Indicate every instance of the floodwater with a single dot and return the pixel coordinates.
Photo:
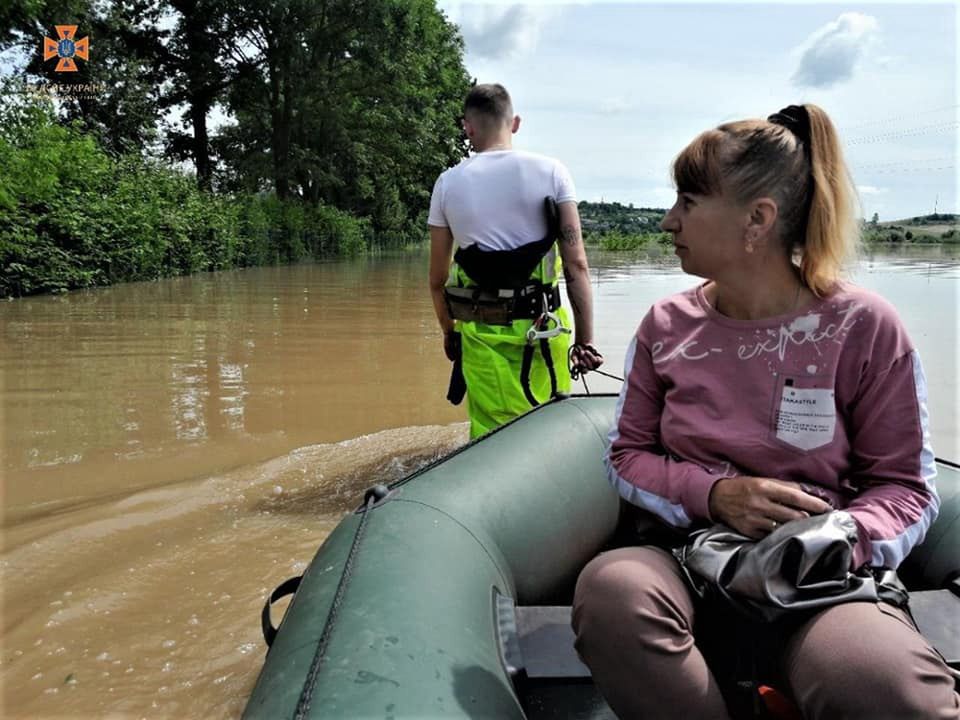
(174, 450)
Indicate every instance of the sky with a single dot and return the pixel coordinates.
(616, 90)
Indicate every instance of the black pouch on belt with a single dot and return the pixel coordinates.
(458, 384)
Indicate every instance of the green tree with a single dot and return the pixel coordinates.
(354, 103)
(194, 60)
(121, 111)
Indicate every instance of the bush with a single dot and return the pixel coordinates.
(72, 216)
(618, 241)
(340, 232)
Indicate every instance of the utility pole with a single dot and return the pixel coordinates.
(936, 200)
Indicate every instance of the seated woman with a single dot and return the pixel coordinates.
(771, 392)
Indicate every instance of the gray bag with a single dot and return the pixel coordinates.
(802, 565)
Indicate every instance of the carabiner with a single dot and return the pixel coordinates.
(533, 334)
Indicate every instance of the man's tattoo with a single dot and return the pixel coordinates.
(569, 233)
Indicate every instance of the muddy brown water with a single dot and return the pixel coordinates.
(174, 450)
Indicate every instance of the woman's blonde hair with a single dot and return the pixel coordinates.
(806, 176)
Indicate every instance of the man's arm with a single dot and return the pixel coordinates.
(441, 255)
(576, 272)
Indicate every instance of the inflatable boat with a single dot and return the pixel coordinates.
(446, 594)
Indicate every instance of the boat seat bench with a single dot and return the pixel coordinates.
(539, 652)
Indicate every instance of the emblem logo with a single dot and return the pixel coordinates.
(66, 48)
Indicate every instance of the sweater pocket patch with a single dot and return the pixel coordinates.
(806, 417)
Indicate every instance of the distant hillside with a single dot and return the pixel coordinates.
(613, 226)
(933, 228)
(602, 218)
(623, 227)
(933, 219)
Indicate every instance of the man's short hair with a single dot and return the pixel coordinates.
(489, 104)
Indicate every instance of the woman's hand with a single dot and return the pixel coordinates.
(755, 506)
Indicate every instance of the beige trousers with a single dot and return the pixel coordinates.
(633, 617)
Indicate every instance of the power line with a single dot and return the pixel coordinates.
(898, 118)
(894, 171)
(913, 161)
(909, 132)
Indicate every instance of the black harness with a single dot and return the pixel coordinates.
(503, 293)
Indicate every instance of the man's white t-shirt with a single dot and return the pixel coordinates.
(495, 198)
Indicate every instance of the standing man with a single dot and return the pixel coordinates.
(506, 212)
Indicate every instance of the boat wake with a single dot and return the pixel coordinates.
(149, 604)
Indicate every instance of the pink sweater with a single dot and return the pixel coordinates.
(832, 397)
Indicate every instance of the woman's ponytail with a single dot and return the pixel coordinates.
(832, 233)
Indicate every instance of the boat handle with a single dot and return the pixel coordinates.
(287, 587)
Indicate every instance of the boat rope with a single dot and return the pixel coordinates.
(306, 695)
(576, 374)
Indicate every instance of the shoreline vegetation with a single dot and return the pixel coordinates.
(206, 134)
(99, 220)
(74, 216)
(933, 229)
(616, 227)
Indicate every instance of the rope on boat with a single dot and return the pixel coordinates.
(576, 374)
(306, 695)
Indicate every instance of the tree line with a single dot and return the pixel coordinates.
(614, 226)
(337, 117)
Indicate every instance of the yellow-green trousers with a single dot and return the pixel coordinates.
(493, 367)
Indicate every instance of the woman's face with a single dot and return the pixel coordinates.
(708, 233)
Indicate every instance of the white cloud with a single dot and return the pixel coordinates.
(870, 190)
(831, 53)
(499, 32)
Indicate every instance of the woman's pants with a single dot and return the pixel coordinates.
(633, 616)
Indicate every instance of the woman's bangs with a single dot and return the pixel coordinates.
(697, 168)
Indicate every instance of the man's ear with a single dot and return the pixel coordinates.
(515, 124)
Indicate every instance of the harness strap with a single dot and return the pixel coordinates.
(527, 363)
(548, 359)
(525, 375)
